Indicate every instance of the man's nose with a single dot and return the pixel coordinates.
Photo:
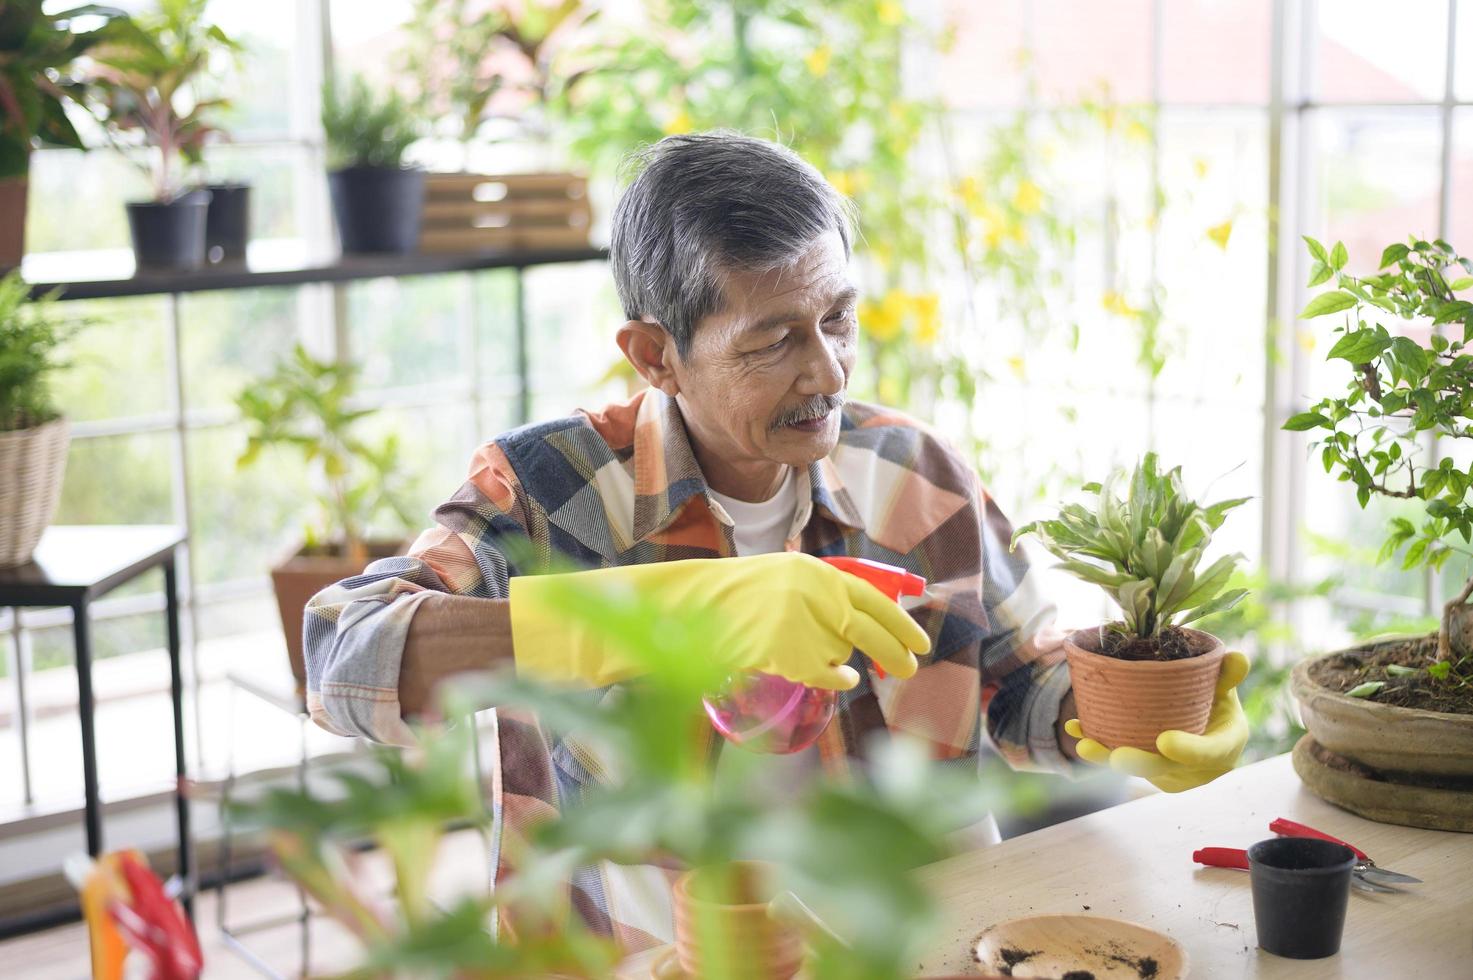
(823, 367)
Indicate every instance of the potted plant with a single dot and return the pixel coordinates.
(1391, 723)
(148, 82)
(376, 199)
(38, 53)
(667, 807)
(33, 435)
(1147, 673)
(304, 406)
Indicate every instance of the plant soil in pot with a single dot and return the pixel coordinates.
(170, 235)
(228, 224)
(1144, 541)
(377, 209)
(1131, 700)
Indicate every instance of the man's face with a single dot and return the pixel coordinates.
(766, 374)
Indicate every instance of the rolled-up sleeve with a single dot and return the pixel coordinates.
(354, 631)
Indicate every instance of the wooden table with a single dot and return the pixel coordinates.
(1134, 862)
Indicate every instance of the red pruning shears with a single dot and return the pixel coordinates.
(1365, 875)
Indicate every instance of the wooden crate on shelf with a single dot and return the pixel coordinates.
(504, 212)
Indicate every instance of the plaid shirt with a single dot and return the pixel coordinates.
(622, 487)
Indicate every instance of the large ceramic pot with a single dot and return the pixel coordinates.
(32, 463)
(1130, 702)
(1383, 762)
(303, 574)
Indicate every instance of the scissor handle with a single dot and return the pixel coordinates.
(1222, 857)
(1288, 828)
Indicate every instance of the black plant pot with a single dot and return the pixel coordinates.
(229, 224)
(377, 208)
(1300, 889)
(170, 235)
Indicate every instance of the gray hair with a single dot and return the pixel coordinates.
(706, 204)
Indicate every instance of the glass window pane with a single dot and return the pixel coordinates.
(118, 480)
(407, 331)
(496, 327)
(1216, 50)
(986, 64)
(260, 90)
(572, 314)
(76, 200)
(275, 175)
(1085, 49)
(1463, 56)
(119, 339)
(1367, 51)
(231, 339)
(1460, 228)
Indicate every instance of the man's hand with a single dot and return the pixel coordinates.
(1182, 760)
(787, 614)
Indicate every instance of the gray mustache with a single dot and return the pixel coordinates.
(815, 408)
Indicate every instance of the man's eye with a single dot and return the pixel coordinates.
(840, 316)
(781, 342)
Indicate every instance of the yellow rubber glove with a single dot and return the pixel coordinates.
(1182, 760)
(786, 613)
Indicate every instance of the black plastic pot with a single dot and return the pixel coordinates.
(170, 235)
(228, 226)
(377, 209)
(1300, 889)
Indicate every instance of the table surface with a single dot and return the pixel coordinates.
(77, 560)
(1134, 862)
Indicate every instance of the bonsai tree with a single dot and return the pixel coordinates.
(147, 78)
(38, 54)
(306, 405)
(1403, 334)
(1144, 550)
(364, 129)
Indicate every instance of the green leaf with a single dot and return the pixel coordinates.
(1365, 690)
(1360, 346)
(1399, 670)
(1393, 253)
(1440, 670)
(1306, 420)
(1317, 250)
(1319, 273)
(1458, 285)
(1331, 302)
(1338, 257)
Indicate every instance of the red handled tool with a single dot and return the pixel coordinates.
(1365, 875)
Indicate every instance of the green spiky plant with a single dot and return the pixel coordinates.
(31, 334)
(1144, 549)
(365, 129)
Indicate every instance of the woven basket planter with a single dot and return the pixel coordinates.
(31, 465)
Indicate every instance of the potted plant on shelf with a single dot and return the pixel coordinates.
(38, 56)
(1391, 723)
(376, 199)
(148, 82)
(1147, 673)
(305, 406)
(33, 435)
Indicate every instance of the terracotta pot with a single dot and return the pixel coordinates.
(299, 577)
(1130, 702)
(763, 948)
(12, 221)
(1383, 737)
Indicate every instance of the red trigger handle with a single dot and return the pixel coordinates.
(1222, 857)
(889, 579)
(1288, 828)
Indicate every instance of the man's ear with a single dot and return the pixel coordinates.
(651, 350)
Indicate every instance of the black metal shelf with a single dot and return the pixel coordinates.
(248, 275)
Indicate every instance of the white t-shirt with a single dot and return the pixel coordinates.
(762, 528)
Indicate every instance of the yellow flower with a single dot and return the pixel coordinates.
(1015, 363)
(849, 182)
(891, 13)
(1028, 198)
(883, 321)
(890, 392)
(818, 60)
(1220, 233)
(1306, 340)
(1201, 166)
(682, 123)
(1115, 303)
(927, 310)
(1138, 131)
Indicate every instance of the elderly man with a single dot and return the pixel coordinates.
(731, 259)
